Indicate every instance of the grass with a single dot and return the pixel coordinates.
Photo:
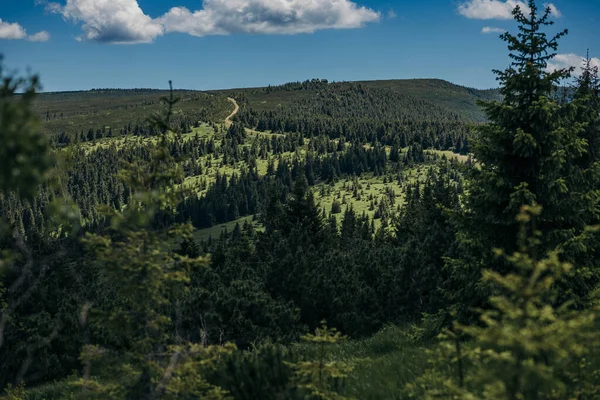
(76, 111)
(383, 364)
(203, 131)
(215, 231)
(369, 189)
(450, 155)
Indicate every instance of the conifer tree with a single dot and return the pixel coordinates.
(25, 163)
(24, 153)
(581, 246)
(301, 211)
(523, 347)
(587, 101)
(136, 357)
(322, 379)
(524, 154)
(523, 150)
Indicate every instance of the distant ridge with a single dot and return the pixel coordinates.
(79, 110)
(459, 99)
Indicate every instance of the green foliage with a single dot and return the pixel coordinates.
(138, 308)
(367, 112)
(336, 207)
(17, 393)
(522, 151)
(138, 267)
(24, 158)
(426, 236)
(524, 347)
(264, 372)
(443, 94)
(587, 98)
(528, 153)
(322, 379)
(24, 170)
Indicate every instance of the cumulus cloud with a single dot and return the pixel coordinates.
(11, 31)
(570, 60)
(110, 21)
(42, 36)
(123, 21)
(219, 17)
(16, 31)
(497, 9)
(491, 29)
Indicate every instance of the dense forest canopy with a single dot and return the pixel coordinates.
(455, 98)
(314, 240)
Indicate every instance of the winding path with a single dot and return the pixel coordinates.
(228, 121)
(237, 108)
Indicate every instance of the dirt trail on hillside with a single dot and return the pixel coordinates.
(237, 108)
(228, 121)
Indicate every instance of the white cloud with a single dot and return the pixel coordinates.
(11, 31)
(42, 36)
(219, 17)
(391, 14)
(123, 21)
(110, 21)
(497, 9)
(570, 60)
(16, 31)
(489, 9)
(491, 29)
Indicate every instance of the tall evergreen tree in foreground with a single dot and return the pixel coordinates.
(587, 97)
(581, 245)
(24, 155)
(527, 154)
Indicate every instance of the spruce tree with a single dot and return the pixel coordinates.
(521, 152)
(581, 246)
(525, 154)
(24, 154)
(523, 347)
(587, 99)
(132, 354)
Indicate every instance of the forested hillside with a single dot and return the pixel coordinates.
(429, 92)
(435, 113)
(350, 240)
(428, 108)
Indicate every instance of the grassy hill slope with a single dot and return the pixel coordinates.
(76, 111)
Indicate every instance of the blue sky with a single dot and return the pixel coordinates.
(84, 44)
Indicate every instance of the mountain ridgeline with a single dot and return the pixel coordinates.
(437, 112)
